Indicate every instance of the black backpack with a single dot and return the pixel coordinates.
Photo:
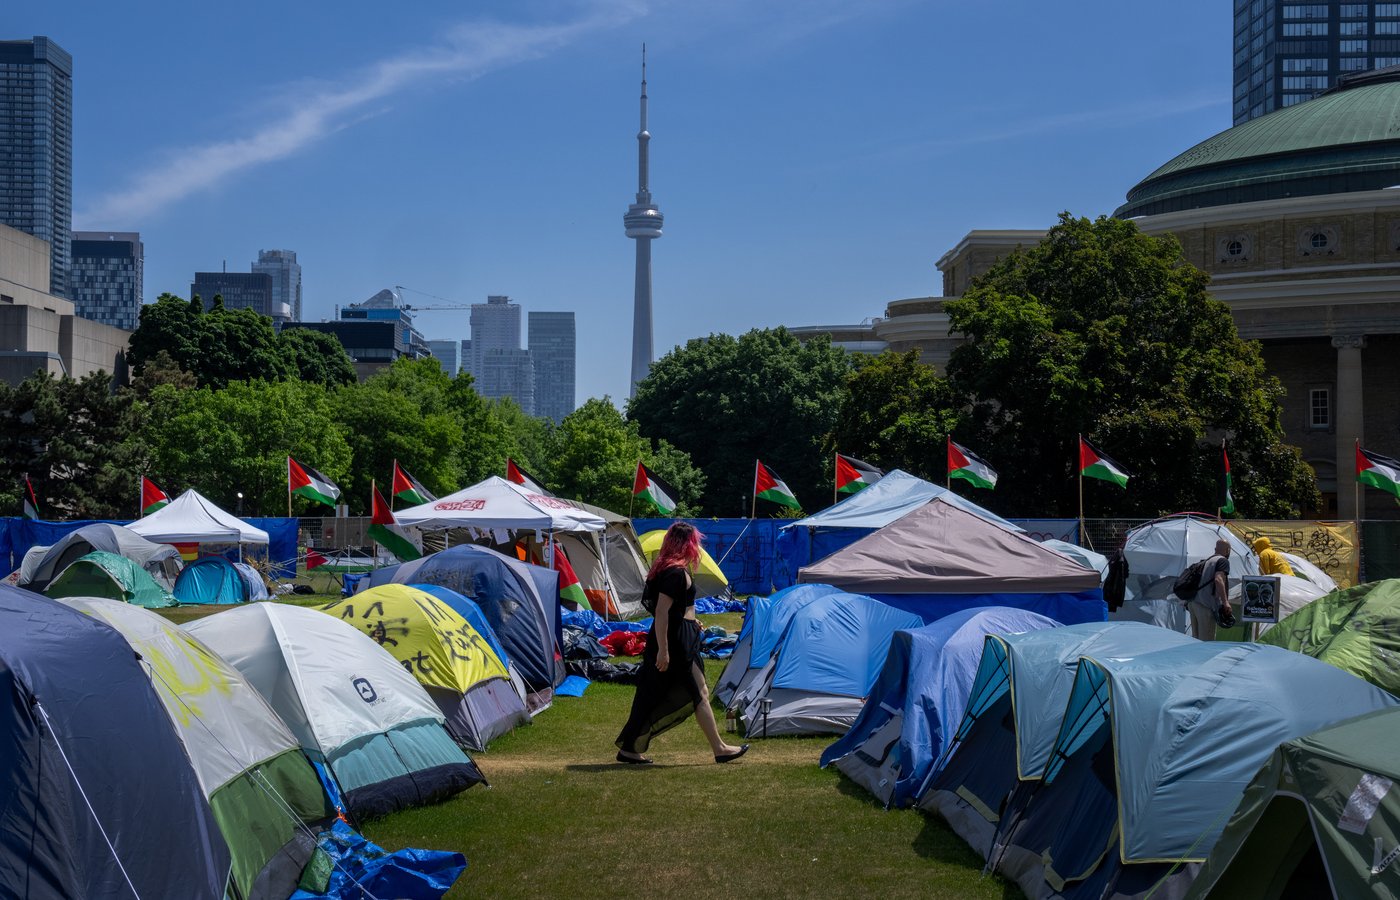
(1189, 581)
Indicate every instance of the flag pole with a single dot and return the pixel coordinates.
(1078, 452)
(391, 487)
(289, 487)
(1220, 510)
(948, 473)
(1356, 490)
(753, 509)
(835, 476)
(633, 496)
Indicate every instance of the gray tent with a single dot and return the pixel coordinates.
(940, 558)
(42, 565)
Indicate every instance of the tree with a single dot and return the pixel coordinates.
(597, 457)
(727, 401)
(897, 413)
(217, 347)
(531, 440)
(316, 356)
(1103, 331)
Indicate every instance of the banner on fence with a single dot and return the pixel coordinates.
(742, 547)
(1066, 530)
(1331, 546)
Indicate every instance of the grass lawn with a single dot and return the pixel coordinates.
(562, 819)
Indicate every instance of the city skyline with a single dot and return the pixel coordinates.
(819, 157)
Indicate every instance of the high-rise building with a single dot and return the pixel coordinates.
(240, 290)
(495, 326)
(36, 147)
(552, 352)
(448, 354)
(286, 281)
(507, 372)
(642, 222)
(1288, 52)
(105, 277)
(467, 357)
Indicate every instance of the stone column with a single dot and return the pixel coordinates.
(1348, 416)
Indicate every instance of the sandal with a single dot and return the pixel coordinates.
(634, 760)
(730, 757)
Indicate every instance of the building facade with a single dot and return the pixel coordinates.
(239, 290)
(374, 333)
(448, 354)
(36, 148)
(106, 277)
(553, 353)
(282, 266)
(495, 325)
(507, 373)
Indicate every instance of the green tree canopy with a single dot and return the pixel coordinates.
(727, 401)
(316, 356)
(597, 457)
(531, 440)
(896, 414)
(1103, 331)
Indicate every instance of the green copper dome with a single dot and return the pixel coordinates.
(1347, 139)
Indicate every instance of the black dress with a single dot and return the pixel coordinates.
(665, 699)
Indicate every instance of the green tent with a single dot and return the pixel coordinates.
(1356, 629)
(102, 574)
(1319, 820)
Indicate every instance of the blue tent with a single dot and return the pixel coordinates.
(765, 620)
(827, 659)
(213, 579)
(97, 796)
(919, 700)
(1152, 756)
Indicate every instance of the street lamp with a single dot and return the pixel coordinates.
(240, 504)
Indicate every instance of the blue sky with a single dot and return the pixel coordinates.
(813, 159)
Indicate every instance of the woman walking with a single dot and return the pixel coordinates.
(672, 681)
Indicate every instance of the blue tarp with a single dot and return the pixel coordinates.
(837, 644)
(743, 548)
(359, 868)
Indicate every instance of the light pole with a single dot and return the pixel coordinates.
(240, 504)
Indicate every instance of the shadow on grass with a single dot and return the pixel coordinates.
(939, 843)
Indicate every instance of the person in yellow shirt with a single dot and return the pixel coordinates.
(1271, 562)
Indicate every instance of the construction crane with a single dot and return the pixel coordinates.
(450, 304)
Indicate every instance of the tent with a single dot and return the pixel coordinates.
(260, 786)
(42, 564)
(919, 699)
(214, 579)
(367, 724)
(765, 620)
(101, 574)
(520, 601)
(1152, 755)
(1013, 715)
(1294, 594)
(940, 558)
(499, 504)
(194, 518)
(823, 668)
(1319, 819)
(1307, 569)
(1087, 558)
(609, 564)
(1356, 630)
(450, 658)
(98, 796)
(710, 581)
(1159, 551)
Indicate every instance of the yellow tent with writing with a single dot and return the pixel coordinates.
(453, 661)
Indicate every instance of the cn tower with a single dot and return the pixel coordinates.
(643, 223)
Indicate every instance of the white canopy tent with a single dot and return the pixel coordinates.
(191, 518)
(499, 504)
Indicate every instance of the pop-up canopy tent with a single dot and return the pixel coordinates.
(101, 574)
(765, 620)
(710, 581)
(499, 504)
(940, 558)
(919, 699)
(1159, 551)
(99, 798)
(1356, 630)
(1312, 820)
(260, 786)
(213, 579)
(194, 518)
(1013, 716)
(42, 564)
(357, 714)
(1152, 756)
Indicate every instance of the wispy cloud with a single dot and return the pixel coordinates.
(467, 51)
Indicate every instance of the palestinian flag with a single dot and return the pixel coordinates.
(31, 503)
(1380, 472)
(315, 559)
(569, 588)
(152, 497)
(305, 481)
(1093, 464)
(519, 476)
(768, 486)
(383, 530)
(964, 464)
(653, 491)
(852, 475)
(406, 487)
(1227, 498)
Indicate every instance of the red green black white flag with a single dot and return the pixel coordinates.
(1093, 464)
(964, 464)
(653, 491)
(852, 475)
(1227, 500)
(1380, 472)
(305, 481)
(385, 531)
(31, 503)
(768, 486)
(407, 488)
(152, 497)
(519, 476)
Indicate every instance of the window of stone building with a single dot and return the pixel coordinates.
(1319, 241)
(1320, 408)
(1234, 248)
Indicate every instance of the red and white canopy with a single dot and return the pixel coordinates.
(497, 503)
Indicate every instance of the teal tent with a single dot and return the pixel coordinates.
(102, 574)
(213, 579)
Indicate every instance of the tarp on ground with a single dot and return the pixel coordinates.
(100, 574)
(498, 503)
(1158, 551)
(83, 766)
(1356, 629)
(162, 561)
(193, 517)
(742, 548)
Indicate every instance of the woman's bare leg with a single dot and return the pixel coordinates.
(706, 716)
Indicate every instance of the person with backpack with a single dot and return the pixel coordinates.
(1209, 603)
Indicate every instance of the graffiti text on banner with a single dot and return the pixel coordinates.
(1331, 546)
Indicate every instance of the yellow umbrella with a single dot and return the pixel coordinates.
(709, 580)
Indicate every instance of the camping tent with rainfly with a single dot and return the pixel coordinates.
(1159, 551)
(1319, 819)
(101, 574)
(370, 728)
(919, 699)
(710, 580)
(1356, 629)
(449, 657)
(609, 564)
(765, 620)
(214, 579)
(42, 564)
(98, 796)
(260, 786)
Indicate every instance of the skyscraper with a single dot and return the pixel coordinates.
(105, 277)
(286, 281)
(495, 326)
(643, 224)
(507, 372)
(552, 354)
(448, 354)
(1288, 52)
(240, 290)
(36, 147)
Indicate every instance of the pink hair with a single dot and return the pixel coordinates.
(680, 547)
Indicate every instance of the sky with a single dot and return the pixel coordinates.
(812, 159)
